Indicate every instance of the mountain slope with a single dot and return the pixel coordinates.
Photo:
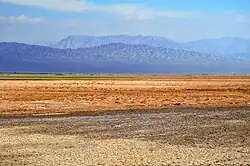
(222, 46)
(83, 41)
(113, 58)
(111, 52)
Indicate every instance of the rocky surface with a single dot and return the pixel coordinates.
(166, 137)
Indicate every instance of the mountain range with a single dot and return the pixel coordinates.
(128, 54)
(226, 46)
(83, 41)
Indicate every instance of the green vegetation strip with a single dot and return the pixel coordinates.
(60, 77)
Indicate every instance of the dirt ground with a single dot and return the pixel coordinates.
(140, 121)
(157, 138)
(50, 97)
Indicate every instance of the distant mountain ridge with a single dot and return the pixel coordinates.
(222, 46)
(114, 58)
(84, 41)
(110, 52)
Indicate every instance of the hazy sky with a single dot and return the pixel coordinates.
(41, 21)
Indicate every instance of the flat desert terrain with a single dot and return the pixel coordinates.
(51, 97)
(157, 138)
(135, 120)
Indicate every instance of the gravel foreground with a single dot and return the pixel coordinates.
(165, 137)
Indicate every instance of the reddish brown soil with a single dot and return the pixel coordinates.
(50, 97)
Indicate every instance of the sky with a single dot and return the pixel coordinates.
(46, 21)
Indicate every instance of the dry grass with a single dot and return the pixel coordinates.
(27, 97)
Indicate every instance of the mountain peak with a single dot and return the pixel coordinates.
(113, 57)
(85, 41)
(218, 46)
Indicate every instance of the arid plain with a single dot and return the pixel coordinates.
(40, 97)
(132, 120)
